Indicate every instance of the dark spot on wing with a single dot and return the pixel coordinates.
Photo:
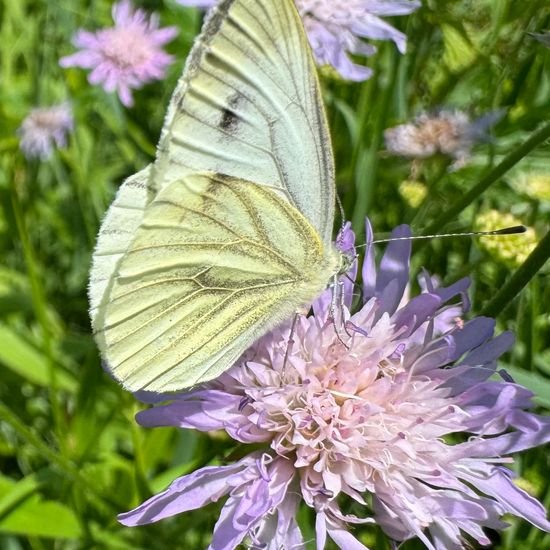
(230, 119)
(180, 103)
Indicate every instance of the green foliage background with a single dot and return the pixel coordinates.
(71, 454)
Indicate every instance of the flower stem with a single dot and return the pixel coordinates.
(39, 301)
(366, 171)
(520, 278)
(494, 175)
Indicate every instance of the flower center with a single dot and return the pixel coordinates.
(46, 120)
(126, 48)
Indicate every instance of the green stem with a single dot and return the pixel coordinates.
(494, 175)
(78, 189)
(363, 114)
(520, 278)
(39, 304)
(366, 173)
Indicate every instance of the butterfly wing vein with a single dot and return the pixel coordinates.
(215, 263)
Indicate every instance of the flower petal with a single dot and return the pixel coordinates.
(394, 271)
(205, 411)
(489, 351)
(344, 539)
(416, 312)
(515, 500)
(320, 531)
(241, 513)
(474, 333)
(186, 493)
(369, 265)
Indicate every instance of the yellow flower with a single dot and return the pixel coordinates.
(535, 185)
(413, 192)
(511, 250)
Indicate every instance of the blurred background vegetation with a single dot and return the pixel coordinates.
(71, 455)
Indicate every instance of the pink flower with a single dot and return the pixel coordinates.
(449, 132)
(126, 56)
(364, 412)
(43, 128)
(336, 28)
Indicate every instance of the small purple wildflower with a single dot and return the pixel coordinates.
(450, 132)
(336, 28)
(43, 128)
(380, 418)
(126, 56)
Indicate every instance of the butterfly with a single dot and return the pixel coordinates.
(228, 232)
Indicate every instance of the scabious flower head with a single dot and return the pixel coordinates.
(336, 28)
(449, 132)
(511, 250)
(413, 192)
(126, 56)
(368, 411)
(44, 128)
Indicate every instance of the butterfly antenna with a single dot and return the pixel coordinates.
(499, 232)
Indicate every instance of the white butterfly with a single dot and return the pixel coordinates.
(228, 233)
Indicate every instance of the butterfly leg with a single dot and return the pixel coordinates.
(337, 309)
(290, 342)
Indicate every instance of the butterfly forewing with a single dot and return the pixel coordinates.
(117, 231)
(216, 263)
(249, 106)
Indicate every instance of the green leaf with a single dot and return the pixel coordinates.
(459, 51)
(24, 359)
(33, 516)
(349, 118)
(13, 493)
(108, 539)
(539, 385)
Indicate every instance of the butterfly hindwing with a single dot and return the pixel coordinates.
(215, 263)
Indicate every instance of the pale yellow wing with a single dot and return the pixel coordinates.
(117, 231)
(249, 105)
(215, 264)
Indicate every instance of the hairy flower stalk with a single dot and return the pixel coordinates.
(407, 419)
(126, 56)
(44, 128)
(336, 28)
